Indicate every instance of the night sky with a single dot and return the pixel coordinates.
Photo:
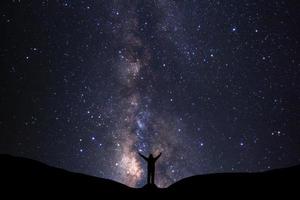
(213, 85)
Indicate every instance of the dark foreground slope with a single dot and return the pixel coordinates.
(274, 181)
(32, 177)
(24, 173)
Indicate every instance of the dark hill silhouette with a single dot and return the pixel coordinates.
(277, 180)
(21, 174)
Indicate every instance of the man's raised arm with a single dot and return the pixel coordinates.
(157, 157)
(143, 156)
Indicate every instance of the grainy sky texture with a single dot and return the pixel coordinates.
(213, 85)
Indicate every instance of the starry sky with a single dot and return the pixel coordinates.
(212, 84)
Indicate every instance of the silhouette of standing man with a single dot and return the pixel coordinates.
(151, 167)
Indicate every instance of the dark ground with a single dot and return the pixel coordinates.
(23, 177)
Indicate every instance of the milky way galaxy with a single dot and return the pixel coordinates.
(140, 128)
(213, 85)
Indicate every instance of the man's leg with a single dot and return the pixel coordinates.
(152, 177)
(148, 177)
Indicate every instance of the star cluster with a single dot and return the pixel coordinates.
(213, 85)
